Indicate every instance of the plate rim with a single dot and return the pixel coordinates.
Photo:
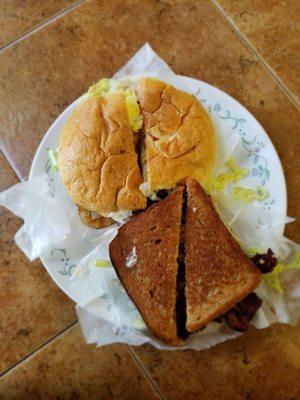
(260, 126)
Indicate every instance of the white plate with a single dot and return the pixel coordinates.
(229, 118)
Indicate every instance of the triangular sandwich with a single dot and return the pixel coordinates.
(144, 254)
(218, 274)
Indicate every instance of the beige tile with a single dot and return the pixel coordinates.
(262, 365)
(19, 16)
(33, 309)
(94, 41)
(272, 27)
(69, 369)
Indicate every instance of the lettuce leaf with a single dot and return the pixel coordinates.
(247, 196)
(252, 251)
(53, 157)
(99, 88)
(102, 263)
(133, 110)
(145, 188)
(235, 174)
(273, 278)
(140, 324)
(111, 85)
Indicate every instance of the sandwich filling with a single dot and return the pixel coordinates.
(180, 282)
(127, 88)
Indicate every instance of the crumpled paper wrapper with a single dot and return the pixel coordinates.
(105, 312)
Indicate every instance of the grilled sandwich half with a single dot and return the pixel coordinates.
(218, 274)
(144, 254)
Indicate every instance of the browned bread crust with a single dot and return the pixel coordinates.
(151, 282)
(97, 158)
(217, 272)
(180, 139)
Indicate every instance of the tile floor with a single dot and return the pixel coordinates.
(51, 52)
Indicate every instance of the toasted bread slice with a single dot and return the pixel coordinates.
(144, 254)
(217, 272)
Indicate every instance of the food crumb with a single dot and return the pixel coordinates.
(194, 209)
(131, 260)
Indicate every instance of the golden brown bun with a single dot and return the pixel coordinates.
(97, 158)
(180, 139)
(151, 282)
(217, 272)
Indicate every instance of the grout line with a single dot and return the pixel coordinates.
(11, 163)
(265, 64)
(40, 348)
(146, 374)
(41, 25)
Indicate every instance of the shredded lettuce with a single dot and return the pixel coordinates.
(133, 110)
(252, 251)
(154, 197)
(145, 188)
(139, 324)
(111, 85)
(99, 88)
(102, 263)
(235, 174)
(247, 196)
(273, 278)
(53, 157)
(119, 216)
(235, 169)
